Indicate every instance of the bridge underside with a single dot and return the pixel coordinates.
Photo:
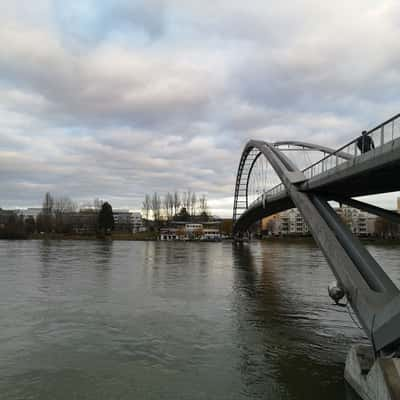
(260, 211)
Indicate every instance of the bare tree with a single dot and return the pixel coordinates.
(156, 206)
(165, 206)
(48, 202)
(61, 207)
(98, 204)
(203, 207)
(168, 205)
(146, 207)
(186, 200)
(193, 202)
(184, 195)
(176, 202)
(94, 205)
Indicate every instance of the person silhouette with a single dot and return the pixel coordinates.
(365, 142)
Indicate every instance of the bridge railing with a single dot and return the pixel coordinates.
(380, 135)
(269, 193)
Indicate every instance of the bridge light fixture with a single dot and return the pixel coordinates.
(336, 292)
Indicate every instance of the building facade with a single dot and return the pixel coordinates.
(291, 223)
(359, 222)
(287, 223)
(137, 222)
(127, 221)
(191, 231)
(122, 220)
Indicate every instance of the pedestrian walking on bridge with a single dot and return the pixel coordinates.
(365, 142)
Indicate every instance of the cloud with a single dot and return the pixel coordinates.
(108, 85)
(114, 99)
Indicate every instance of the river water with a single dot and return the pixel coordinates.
(159, 320)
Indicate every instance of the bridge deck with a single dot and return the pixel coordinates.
(371, 173)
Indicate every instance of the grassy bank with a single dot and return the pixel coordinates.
(113, 236)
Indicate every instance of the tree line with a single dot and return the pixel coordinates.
(13, 226)
(185, 206)
(59, 215)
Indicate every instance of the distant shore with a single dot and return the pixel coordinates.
(140, 236)
(153, 236)
(310, 239)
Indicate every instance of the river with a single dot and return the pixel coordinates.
(172, 320)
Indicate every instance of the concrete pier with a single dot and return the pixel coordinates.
(372, 379)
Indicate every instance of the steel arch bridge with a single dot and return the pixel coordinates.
(338, 175)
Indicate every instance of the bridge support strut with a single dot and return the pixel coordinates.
(372, 379)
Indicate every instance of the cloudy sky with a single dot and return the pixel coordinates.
(115, 98)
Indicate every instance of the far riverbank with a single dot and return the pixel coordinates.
(309, 239)
(139, 236)
(154, 236)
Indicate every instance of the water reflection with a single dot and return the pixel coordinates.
(103, 254)
(280, 334)
(183, 264)
(83, 260)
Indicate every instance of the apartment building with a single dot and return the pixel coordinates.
(127, 221)
(291, 222)
(359, 222)
(137, 222)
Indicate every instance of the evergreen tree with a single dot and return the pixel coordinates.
(30, 225)
(106, 218)
(183, 215)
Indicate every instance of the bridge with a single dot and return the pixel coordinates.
(270, 179)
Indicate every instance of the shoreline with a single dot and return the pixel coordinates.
(141, 237)
(310, 239)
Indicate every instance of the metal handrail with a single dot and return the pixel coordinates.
(274, 190)
(354, 141)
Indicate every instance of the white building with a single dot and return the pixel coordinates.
(291, 222)
(211, 234)
(137, 222)
(126, 220)
(286, 223)
(359, 222)
(190, 231)
(169, 234)
(122, 216)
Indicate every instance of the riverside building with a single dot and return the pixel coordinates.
(291, 223)
(206, 231)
